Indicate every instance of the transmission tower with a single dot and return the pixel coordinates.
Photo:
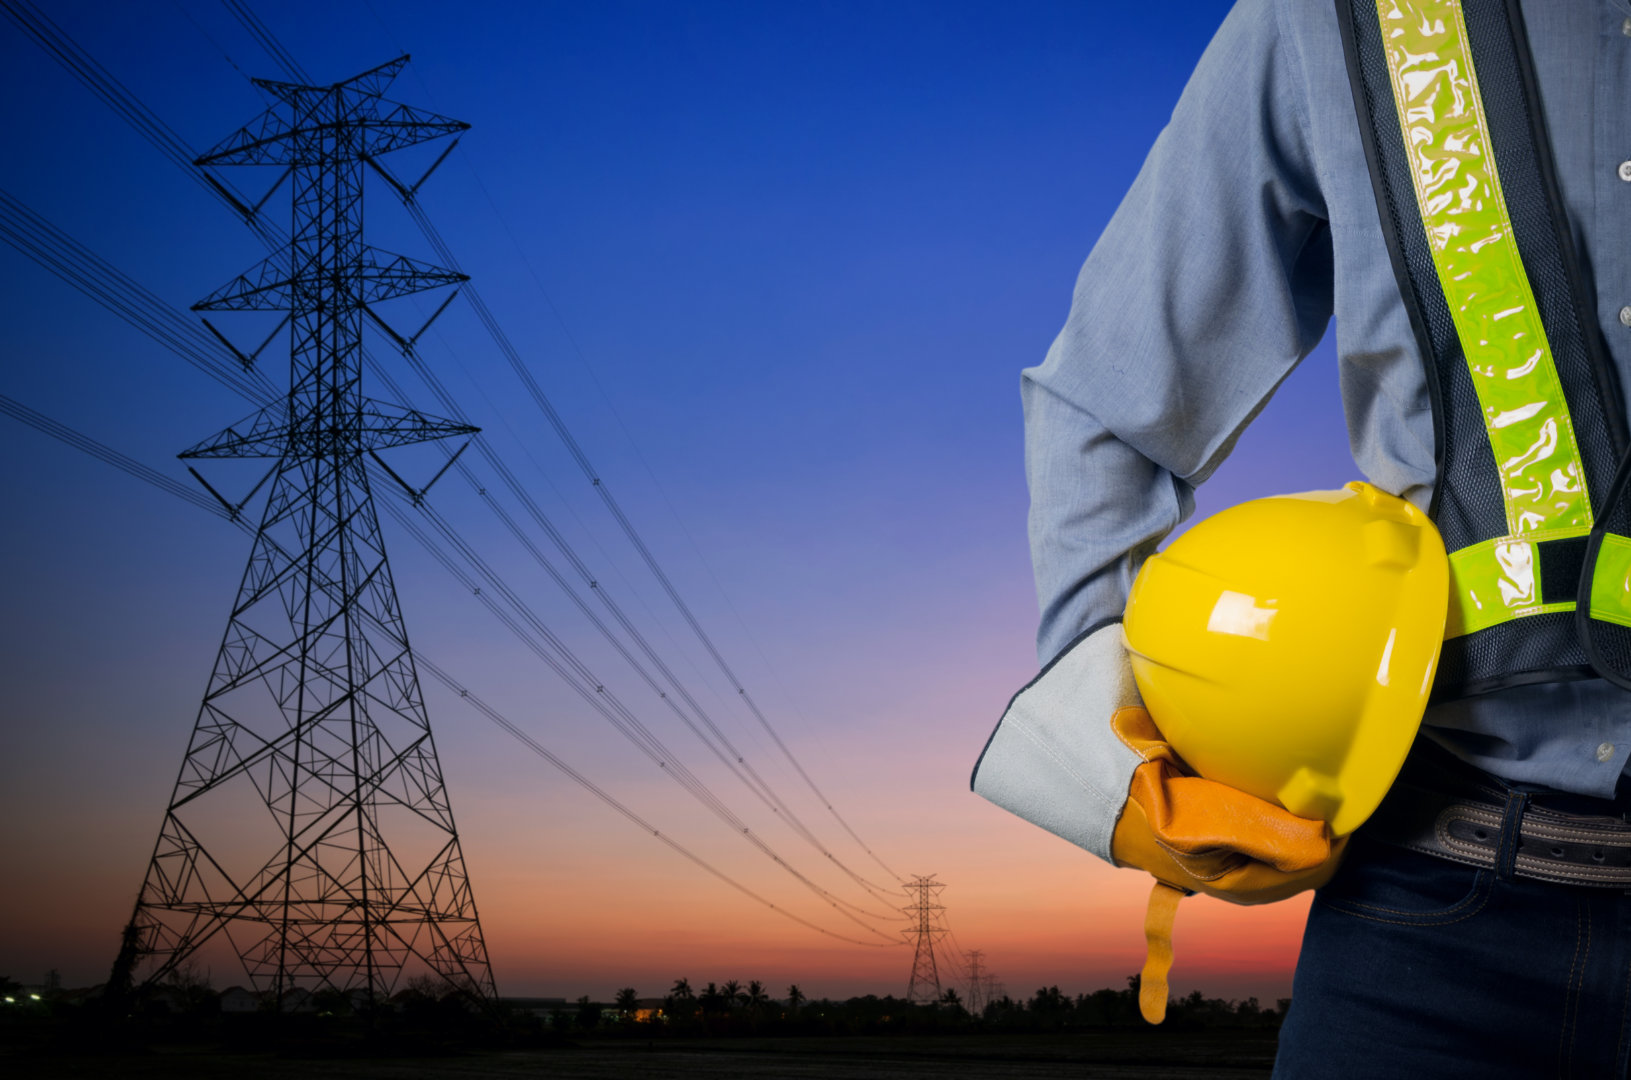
(976, 983)
(310, 826)
(924, 986)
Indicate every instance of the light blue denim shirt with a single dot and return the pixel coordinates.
(1251, 225)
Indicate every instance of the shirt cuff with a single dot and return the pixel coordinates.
(1053, 758)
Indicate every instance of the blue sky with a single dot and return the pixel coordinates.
(779, 267)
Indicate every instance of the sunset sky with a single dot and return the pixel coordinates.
(779, 267)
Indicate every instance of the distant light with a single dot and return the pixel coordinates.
(10, 1000)
(35, 997)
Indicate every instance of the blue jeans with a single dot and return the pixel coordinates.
(1415, 966)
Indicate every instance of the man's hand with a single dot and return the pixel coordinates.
(1198, 835)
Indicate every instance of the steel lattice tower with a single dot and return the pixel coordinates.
(310, 825)
(976, 983)
(924, 986)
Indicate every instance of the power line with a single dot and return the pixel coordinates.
(107, 455)
(643, 824)
(76, 264)
(132, 467)
(313, 711)
(118, 97)
(205, 34)
(564, 662)
(282, 56)
(171, 329)
(577, 349)
(956, 956)
(733, 760)
(176, 150)
(575, 450)
(724, 750)
(266, 39)
(924, 985)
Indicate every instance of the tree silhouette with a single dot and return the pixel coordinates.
(681, 1002)
(627, 1000)
(756, 998)
(732, 992)
(795, 997)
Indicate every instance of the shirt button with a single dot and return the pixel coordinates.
(1625, 170)
(1625, 28)
(1605, 752)
(1625, 316)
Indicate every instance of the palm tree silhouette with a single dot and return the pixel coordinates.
(710, 998)
(681, 1002)
(732, 992)
(756, 998)
(795, 997)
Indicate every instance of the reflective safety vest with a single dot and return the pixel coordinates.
(1528, 418)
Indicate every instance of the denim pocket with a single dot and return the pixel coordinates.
(1391, 884)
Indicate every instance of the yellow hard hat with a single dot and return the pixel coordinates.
(1286, 646)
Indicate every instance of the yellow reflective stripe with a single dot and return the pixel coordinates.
(1611, 581)
(1458, 190)
(1498, 581)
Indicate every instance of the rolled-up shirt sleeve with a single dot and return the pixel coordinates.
(1211, 281)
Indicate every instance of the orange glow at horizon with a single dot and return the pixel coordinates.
(794, 270)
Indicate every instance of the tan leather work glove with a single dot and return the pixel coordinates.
(1197, 835)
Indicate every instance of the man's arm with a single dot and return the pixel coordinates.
(1210, 283)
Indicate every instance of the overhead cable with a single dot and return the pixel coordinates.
(174, 330)
(106, 454)
(282, 56)
(175, 149)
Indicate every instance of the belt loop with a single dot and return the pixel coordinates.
(1506, 854)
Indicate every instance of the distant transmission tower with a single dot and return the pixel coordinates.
(310, 825)
(976, 982)
(924, 986)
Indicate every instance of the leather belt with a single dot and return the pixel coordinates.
(1568, 849)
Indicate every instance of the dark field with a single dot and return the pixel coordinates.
(1099, 1056)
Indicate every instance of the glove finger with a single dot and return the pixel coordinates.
(1259, 883)
(1222, 873)
(1194, 816)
